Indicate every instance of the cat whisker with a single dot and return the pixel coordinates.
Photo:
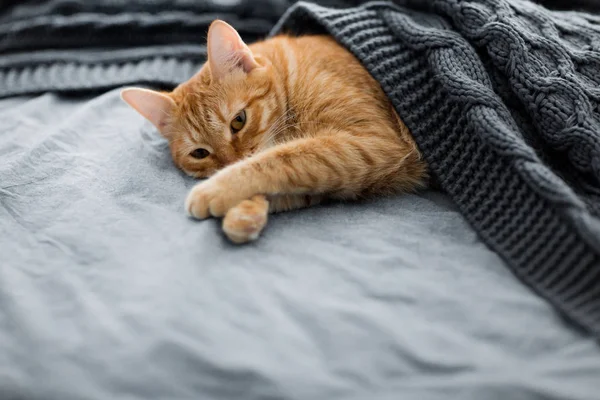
(268, 138)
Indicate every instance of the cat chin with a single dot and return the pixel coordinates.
(190, 173)
(198, 175)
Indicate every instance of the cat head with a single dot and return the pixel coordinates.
(219, 116)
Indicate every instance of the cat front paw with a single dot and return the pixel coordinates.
(213, 197)
(244, 222)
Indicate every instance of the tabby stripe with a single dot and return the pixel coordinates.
(364, 154)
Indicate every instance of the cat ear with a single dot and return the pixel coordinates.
(152, 105)
(227, 50)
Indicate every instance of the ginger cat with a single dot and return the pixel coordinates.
(278, 125)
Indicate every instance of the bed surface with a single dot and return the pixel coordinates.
(108, 291)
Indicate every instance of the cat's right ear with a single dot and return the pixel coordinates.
(227, 51)
(152, 105)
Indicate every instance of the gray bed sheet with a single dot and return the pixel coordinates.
(108, 291)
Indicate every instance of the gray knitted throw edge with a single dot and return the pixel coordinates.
(503, 99)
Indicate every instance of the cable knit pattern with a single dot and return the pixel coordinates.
(502, 97)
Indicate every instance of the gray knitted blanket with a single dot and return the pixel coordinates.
(503, 99)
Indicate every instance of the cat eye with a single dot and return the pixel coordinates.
(238, 122)
(200, 153)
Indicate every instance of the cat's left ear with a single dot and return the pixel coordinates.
(227, 51)
(152, 105)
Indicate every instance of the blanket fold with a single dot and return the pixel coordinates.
(502, 97)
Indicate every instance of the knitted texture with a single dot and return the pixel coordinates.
(91, 45)
(79, 45)
(83, 45)
(502, 97)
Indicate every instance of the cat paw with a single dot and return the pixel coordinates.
(244, 222)
(213, 197)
